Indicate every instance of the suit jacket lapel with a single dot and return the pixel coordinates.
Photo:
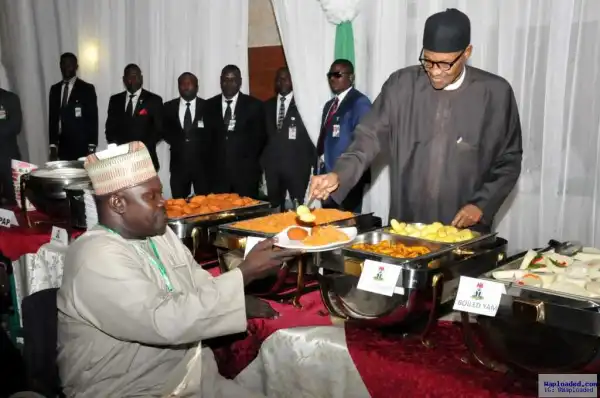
(140, 102)
(240, 109)
(346, 102)
(72, 95)
(326, 111)
(288, 115)
(198, 114)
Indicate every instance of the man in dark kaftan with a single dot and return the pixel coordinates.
(453, 131)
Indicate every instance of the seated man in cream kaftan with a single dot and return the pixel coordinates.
(134, 306)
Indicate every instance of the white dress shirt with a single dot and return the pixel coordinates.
(136, 97)
(233, 103)
(458, 82)
(342, 95)
(340, 98)
(183, 107)
(286, 104)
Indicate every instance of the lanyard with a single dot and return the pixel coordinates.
(155, 260)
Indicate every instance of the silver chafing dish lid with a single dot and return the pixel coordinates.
(61, 170)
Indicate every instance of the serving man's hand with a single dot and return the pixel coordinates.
(467, 217)
(322, 186)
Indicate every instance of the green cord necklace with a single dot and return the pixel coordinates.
(156, 261)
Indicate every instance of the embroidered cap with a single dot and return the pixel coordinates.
(120, 167)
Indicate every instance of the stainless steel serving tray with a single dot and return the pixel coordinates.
(436, 249)
(478, 240)
(184, 226)
(356, 220)
(560, 310)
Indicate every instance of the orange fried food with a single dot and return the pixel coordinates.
(297, 233)
(392, 249)
(175, 202)
(174, 212)
(198, 199)
(324, 236)
(275, 223)
(205, 204)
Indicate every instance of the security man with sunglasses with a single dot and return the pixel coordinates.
(340, 117)
(453, 132)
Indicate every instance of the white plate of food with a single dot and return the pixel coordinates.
(317, 239)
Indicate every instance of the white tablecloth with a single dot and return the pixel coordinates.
(39, 271)
(304, 362)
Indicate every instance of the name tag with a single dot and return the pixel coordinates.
(201, 123)
(3, 114)
(77, 111)
(60, 236)
(7, 218)
(336, 130)
(231, 126)
(292, 133)
(380, 278)
(477, 296)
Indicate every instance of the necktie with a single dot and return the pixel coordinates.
(227, 117)
(321, 142)
(129, 110)
(187, 118)
(65, 94)
(281, 114)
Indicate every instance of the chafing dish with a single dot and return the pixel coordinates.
(198, 232)
(536, 330)
(44, 187)
(425, 282)
(293, 279)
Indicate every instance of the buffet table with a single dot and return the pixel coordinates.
(18, 241)
(385, 362)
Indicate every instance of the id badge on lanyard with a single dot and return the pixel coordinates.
(231, 125)
(336, 128)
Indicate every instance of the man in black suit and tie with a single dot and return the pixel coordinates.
(10, 127)
(73, 114)
(135, 114)
(290, 153)
(237, 128)
(183, 121)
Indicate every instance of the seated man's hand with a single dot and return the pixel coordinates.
(257, 308)
(263, 259)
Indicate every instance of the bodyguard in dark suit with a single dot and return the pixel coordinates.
(183, 121)
(289, 153)
(237, 126)
(135, 114)
(73, 114)
(10, 126)
(340, 117)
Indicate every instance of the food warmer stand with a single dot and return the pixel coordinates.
(536, 330)
(45, 189)
(427, 284)
(293, 279)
